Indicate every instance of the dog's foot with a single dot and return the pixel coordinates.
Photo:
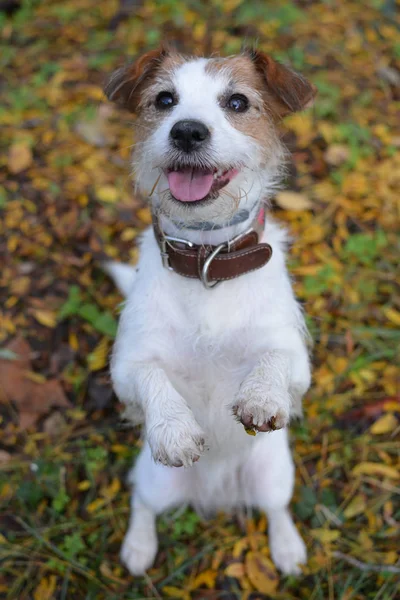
(176, 442)
(139, 550)
(288, 550)
(261, 412)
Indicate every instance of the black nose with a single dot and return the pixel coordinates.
(189, 135)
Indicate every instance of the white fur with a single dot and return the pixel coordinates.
(185, 357)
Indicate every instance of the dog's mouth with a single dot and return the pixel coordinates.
(191, 184)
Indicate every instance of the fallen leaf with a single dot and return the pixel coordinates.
(386, 424)
(144, 215)
(4, 457)
(32, 399)
(292, 201)
(47, 318)
(54, 424)
(206, 578)
(325, 535)
(174, 592)
(107, 193)
(355, 507)
(371, 468)
(98, 358)
(19, 157)
(336, 155)
(392, 314)
(95, 505)
(46, 588)
(261, 573)
(235, 569)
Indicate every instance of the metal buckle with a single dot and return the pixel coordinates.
(165, 242)
(204, 271)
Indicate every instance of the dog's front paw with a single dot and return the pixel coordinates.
(261, 412)
(176, 442)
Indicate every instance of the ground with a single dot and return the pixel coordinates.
(67, 201)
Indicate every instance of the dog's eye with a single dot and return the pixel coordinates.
(165, 100)
(238, 103)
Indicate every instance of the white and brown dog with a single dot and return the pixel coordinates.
(211, 337)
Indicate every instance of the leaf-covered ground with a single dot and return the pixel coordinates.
(66, 201)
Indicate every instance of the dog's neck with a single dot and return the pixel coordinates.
(209, 233)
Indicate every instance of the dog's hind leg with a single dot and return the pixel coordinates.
(269, 476)
(156, 489)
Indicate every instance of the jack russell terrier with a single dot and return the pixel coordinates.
(211, 345)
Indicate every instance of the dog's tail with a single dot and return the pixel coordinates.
(123, 275)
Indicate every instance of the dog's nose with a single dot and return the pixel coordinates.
(189, 135)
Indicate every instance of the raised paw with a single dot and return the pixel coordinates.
(176, 443)
(261, 412)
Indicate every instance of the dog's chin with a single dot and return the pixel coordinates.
(217, 207)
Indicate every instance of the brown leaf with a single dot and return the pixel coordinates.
(4, 457)
(336, 154)
(19, 157)
(32, 399)
(261, 572)
(292, 201)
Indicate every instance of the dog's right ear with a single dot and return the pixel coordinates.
(125, 84)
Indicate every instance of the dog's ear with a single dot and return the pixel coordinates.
(125, 84)
(289, 91)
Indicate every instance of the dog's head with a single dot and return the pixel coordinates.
(207, 142)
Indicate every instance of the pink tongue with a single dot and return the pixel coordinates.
(190, 185)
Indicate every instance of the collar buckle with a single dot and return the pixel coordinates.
(207, 263)
(167, 240)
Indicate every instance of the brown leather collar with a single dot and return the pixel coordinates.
(213, 264)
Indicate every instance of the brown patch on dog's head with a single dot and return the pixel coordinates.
(127, 84)
(287, 90)
(272, 90)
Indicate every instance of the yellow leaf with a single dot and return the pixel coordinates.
(206, 578)
(393, 315)
(292, 201)
(120, 449)
(107, 193)
(261, 573)
(235, 570)
(73, 341)
(46, 588)
(112, 490)
(325, 535)
(384, 424)
(365, 541)
(356, 507)
(144, 215)
(36, 377)
(19, 157)
(45, 317)
(240, 547)
(128, 234)
(174, 592)
(371, 468)
(95, 505)
(391, 557)
(84, 485)
(98, 358)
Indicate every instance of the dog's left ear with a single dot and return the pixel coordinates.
(125, 84)
(289, 91)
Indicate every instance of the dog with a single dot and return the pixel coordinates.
(212, 344)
